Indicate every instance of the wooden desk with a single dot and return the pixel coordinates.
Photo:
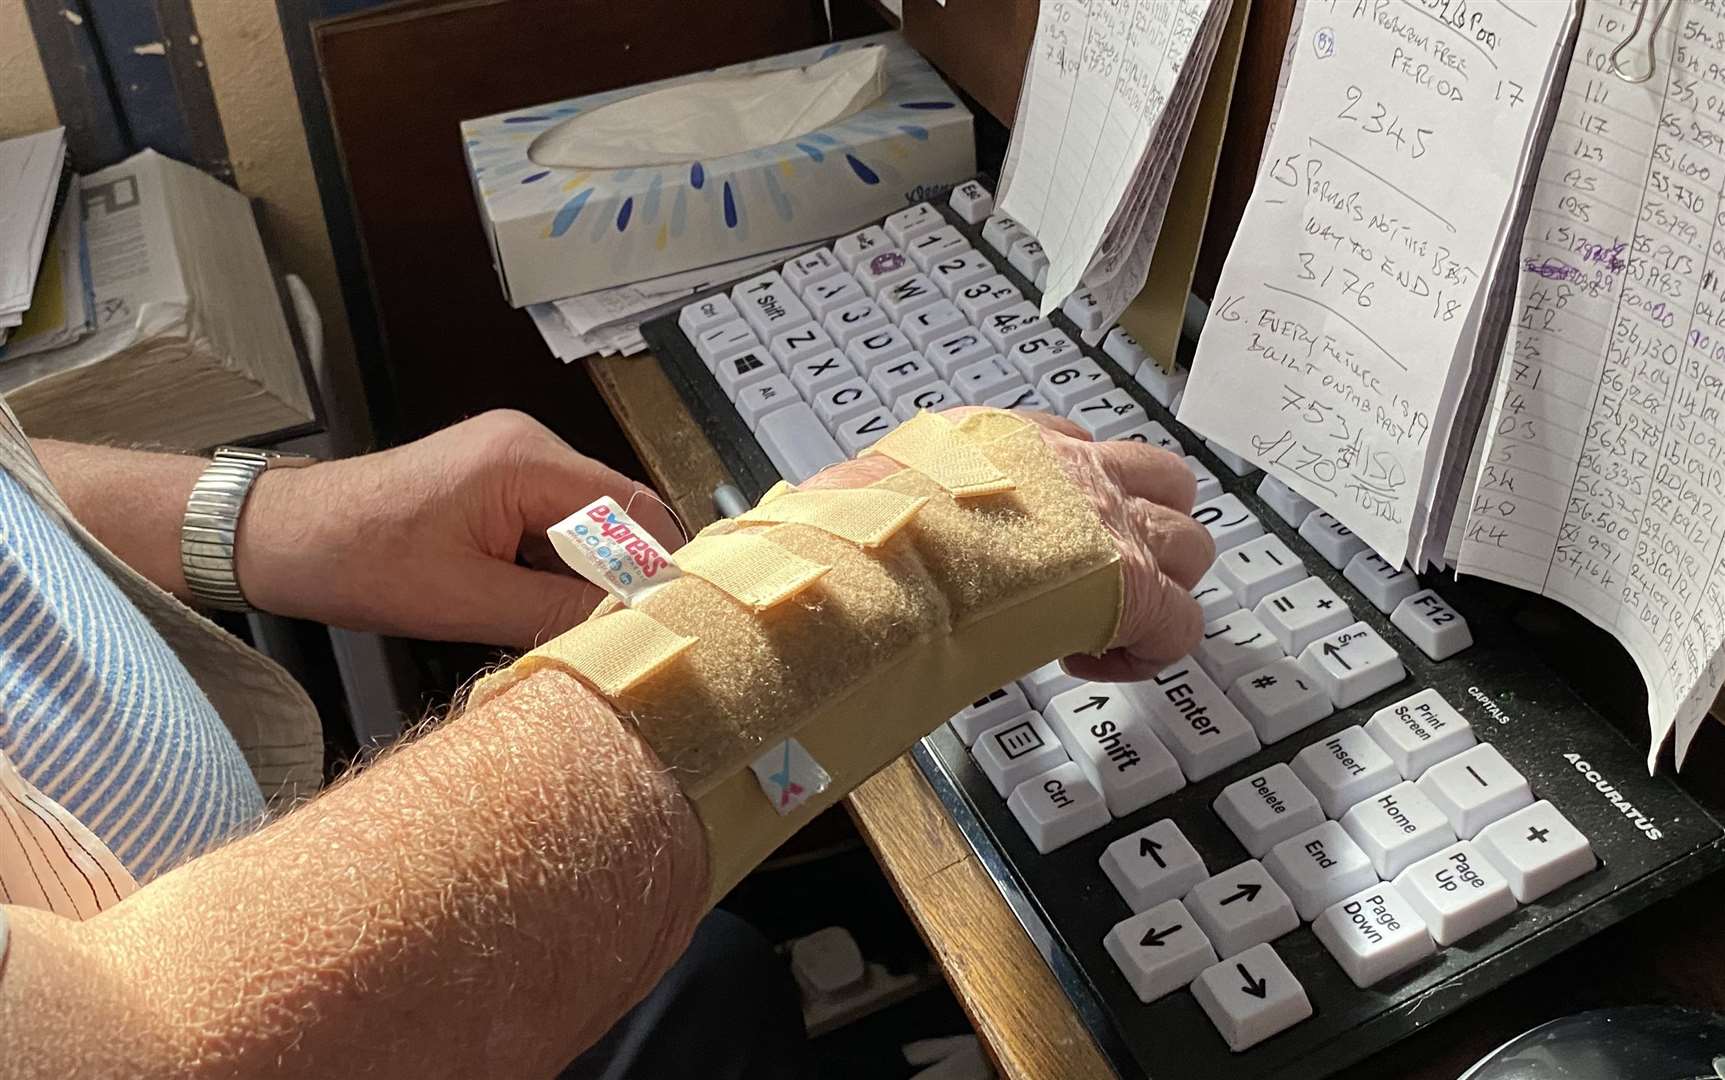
(1674, 952)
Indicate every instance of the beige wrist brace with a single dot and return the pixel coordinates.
(852, 620)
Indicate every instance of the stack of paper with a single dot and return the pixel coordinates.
(63, 306)
(1108, 100)
(31, 168)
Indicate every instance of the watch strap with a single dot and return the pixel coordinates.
(211, 525)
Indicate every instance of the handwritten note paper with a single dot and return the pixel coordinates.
(1602, 480)
(1351, 289)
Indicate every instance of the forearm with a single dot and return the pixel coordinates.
(133, 500)
(484, 902)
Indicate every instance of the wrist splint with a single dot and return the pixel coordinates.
(807, 643)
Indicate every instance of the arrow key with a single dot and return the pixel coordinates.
(1251, 997)
(1242, 907)
(1153, 865)
(1352, 664)
(1159, 950)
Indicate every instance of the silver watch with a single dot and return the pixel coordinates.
(213, 520)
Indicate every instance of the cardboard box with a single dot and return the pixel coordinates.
(558, 232)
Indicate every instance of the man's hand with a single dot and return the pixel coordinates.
(443, 538)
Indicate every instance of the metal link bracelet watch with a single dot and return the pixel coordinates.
(212, 522)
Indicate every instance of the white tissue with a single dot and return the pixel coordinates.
(710, 118)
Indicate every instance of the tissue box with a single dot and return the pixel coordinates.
(559, 232)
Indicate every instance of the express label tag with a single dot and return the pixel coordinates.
(603, 544)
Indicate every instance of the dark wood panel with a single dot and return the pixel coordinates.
(980, 45)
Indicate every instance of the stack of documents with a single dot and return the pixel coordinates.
(31, 171)
(63, 305)
(1109, 96)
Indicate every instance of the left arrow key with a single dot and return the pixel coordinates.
(1159, 950)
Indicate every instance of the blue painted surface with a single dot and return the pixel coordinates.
(730, 207)
(864, 173)
(570, 211)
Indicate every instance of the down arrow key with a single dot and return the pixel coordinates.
(1251, 996)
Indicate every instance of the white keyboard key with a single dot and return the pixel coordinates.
(901, 375)
(1002, 232)
(1120, 758)
(719, 343)
(1228, 520)
(1011, 325)
(854, 320)
(1156, 435)
(1352, 664)
(809, 267)
(1456, 892)
(1123, 349)
(1153, 865)
(1334, 541)
(861, 432)
(931, 323)
(882, 269)
(1159, 950)
(1084, 311)
(710, 311)
(1013, 752)
(1259, 567)
(1023, 397)
(1397, 828)
(1202, 729)
(1384, 585)
(1057, 807)
(825, 297)
(1241, 907)
(1251, 997)
(1318, 867)
(950, 352)
(979, 381)
(816, 373)
(1036, 356)
(769, 305)
(1302, 613)
(1027, 257)
(1476, 788)
(914, 221)
(1289, 505)
(932, 397)
(1537, 849)
(1107, 414)
(980, 299)
(1208, 486)
(792, 345)
(1267, 808)
(745, 370)
(1345, 769)
(931, 247)
(796, 443)
(851, 250)
(906, 295)
(1046, 683)
(992, 709)
(1238, 465)
(758, 399)
(1280, 699)
(1160, 384)
(971, 201)
(1374, 935)
(954, 271)
(1214, 597)
(1041, 278)
(1420, 731)
(844, 401)
(877, 347)
(1233, 645)
(1434, 626)
(1174, 406)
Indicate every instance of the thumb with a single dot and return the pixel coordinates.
(503, 604)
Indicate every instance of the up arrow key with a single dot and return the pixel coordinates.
(1257, 988)
(1147, 846)
(1336, 654)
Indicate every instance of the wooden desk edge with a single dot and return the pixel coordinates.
(1000, 980)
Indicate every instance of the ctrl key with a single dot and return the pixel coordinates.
(1251, 997)
(1159, 950)
(797, 443)
(1058, 807)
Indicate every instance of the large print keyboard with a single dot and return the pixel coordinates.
(1359, 803)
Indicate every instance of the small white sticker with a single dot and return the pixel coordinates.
(603, 544)
(788, 776)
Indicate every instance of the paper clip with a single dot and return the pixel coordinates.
(1634, 32)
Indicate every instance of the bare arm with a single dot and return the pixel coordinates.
(483, 902)
(132, 500)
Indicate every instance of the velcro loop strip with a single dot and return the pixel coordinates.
(748, 567)
(613, 651)
(932, 446)
(867, 517)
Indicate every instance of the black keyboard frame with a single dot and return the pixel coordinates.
(1066, 904)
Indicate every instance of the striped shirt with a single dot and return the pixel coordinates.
(97, 714)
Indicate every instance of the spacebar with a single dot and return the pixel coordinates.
(797, 443)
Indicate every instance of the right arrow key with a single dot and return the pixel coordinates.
(1242, 907)
(1251, 997)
